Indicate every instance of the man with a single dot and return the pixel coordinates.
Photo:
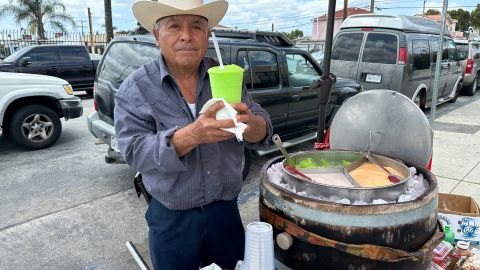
(190, 166)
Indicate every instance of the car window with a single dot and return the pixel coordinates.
(475, 51)
(242, 61)
(124, 58)
(421, 54)
(462, 50)
(380, 48)
(73, 54)
(347, 47)
(211, 53)
(264, 67)
(301, 72)
(42, 55)
(16, 55)
(452, 51)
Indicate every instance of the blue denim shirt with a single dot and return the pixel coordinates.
(149, 108)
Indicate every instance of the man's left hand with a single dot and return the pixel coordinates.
(256, 127)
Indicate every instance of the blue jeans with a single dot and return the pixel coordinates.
(187, 239)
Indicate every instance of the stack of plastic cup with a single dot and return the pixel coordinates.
(259, 247)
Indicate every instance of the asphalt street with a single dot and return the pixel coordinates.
(65, 208)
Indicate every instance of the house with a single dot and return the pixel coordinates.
(450, 23)
(319, 24)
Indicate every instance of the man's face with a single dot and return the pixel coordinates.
(183, 39)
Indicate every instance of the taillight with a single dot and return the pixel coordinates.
(468, 69)
(94, 99)
(403, 56)
(367, 29)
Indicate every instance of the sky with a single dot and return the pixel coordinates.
(285, 15)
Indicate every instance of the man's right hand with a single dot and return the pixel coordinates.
(205, 129)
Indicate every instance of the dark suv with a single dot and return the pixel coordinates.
(279, 76)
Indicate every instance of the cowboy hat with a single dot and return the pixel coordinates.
(148, 12)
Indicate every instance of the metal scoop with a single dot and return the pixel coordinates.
(392, 177)
(289, 163)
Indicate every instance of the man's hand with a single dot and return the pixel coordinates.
(256, 127)
(205, 129)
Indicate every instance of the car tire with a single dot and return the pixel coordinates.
(470, 90)
(457, 93)
(247, 162)
(419, 100)
(35, 127)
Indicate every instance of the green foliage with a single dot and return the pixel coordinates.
(294, 34)
(475, 17)
(432, 12)
(463, 17)
(38, 13)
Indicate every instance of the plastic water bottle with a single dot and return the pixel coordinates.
(449, 235)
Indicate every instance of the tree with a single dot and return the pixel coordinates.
(37, 14)
(294, 34)
(463, 17)
(475, 17)
(432, 12)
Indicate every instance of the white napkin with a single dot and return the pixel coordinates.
(227, 112)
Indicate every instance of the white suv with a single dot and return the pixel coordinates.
(31, 107)
(469, 54)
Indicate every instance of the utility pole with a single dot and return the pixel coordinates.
(372, 5)
(92, 47)
(108, 19)
(82, 21)
(273, 27)
(345, 9)
(423, 14)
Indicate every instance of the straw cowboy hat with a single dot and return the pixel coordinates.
(148, 12)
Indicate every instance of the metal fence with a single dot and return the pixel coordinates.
(12, 40)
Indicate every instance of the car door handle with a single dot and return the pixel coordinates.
(296, 97)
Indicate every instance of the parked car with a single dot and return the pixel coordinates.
(69, 62)
(31, 107)
(469, 54)
(280, 77)
(318, 56)
(397, 53)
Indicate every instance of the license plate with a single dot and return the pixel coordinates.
(114, 144)
(374, 78)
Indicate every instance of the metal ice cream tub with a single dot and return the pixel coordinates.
(336, 178)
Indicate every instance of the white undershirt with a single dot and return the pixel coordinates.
(193, 108)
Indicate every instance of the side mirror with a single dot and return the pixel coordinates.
(25, 61)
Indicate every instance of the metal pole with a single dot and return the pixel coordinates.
(372, 6)
(92, 47)
(345, 9)
(438, 64)
(136, 256)
(326, 81)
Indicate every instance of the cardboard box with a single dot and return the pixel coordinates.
(462, 213)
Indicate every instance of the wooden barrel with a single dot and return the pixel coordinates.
(409, 227)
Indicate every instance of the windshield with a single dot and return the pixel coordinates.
(14, 56)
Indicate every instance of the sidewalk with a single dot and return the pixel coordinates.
(456, 156)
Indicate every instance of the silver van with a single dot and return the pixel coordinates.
(397, 53)
(469, 54)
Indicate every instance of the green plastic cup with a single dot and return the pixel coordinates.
(227, 83)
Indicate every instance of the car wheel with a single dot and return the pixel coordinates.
(246, 162)
(35, 127)
(470, 90)
(419, 100)
(457, 93)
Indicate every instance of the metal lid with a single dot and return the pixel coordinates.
(386, 122)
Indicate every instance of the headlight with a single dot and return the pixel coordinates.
(68, 89)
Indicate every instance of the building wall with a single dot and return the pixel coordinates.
(320, 29)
